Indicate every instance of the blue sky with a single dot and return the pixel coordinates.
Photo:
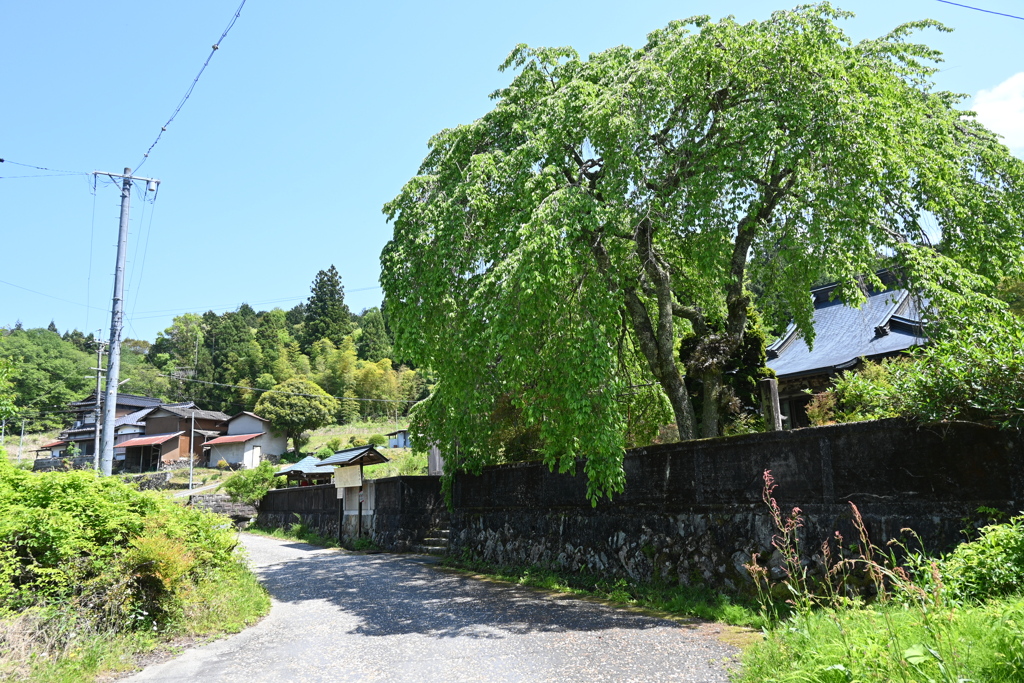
(309, 118)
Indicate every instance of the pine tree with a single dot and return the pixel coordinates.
(327, 316)
(374, 342)
(52, 327)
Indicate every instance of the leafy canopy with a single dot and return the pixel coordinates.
(295, 406)
(607, 206)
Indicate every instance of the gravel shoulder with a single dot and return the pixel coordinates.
(340, 615)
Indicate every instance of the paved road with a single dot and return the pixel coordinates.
(338, 616)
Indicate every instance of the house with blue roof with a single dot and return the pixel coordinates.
(888, 324)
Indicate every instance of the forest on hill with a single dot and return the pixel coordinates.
(224, 361)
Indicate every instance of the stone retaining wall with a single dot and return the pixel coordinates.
(693, 511)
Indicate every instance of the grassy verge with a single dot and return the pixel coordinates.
(296, 532)
(225, 602)
(686, 601)
(894, 643)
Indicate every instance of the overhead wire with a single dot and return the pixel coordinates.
(49, 296)
(979, 9)
(188, 93)
(285, 393)
(56, 171)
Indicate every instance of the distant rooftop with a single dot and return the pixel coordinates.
(889, 322)
(130, 400)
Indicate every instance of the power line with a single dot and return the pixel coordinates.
(56, 171)
(188, 93)
(978, 9)
(49, 296)
(285, 393)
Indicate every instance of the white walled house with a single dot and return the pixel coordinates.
(248, 441)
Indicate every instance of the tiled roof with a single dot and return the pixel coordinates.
(246, 412)
(52, 444)
(308, 465)
(187, 411)
(887, 323)
(360, 455)
(234, 438)
(131, 400)
(135, 418)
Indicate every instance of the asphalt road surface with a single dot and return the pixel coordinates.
(341, 616)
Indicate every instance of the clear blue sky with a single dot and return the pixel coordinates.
(309, 118)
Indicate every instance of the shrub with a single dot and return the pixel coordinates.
(222, 464)
(113, 556)
(324, 452)
(990, 566)
(335, 443)
(377, 440)
(248, 486)
(356, 441)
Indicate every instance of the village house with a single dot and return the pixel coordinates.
(888, 324)
(248, 441)
(82, 431)
(172, 432)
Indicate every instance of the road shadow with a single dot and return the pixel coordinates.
(391, 595)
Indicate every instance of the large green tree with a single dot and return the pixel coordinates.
(623, 195)
(374, 341)
(327, 315)
(295, 406)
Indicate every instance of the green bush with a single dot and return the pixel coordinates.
(377, 440)
(248, 486)
(62, 531)
(324, 452)
(990, 566)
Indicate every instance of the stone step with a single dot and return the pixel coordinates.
(429, 549)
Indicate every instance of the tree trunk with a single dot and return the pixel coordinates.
(712, 394)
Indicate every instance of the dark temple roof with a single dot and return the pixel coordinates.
(889, 322)
(129, 400)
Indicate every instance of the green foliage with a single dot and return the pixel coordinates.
(990, 566)
(249, 486)
(48, 373)
(958, 618)
(72, 535)
(327, 315)
(374, 341)
(325, 452)
(622, 194)
(377, 440)
(7, 395)
(295, 406)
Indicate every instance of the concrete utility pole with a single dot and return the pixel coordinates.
(97, 411)
(21, 441)
(117, 320)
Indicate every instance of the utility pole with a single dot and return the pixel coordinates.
(117, 319)
(21, 441)
(191, 448)
(97, 411)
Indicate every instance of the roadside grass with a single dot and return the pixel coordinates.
(874, 614)
(894, 642)
(296, 532)
(225, 602)
(680, 600)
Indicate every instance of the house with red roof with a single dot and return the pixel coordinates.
(249, 440)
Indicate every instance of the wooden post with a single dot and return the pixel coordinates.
(360, 500)
(341, 511)
(770, 404)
